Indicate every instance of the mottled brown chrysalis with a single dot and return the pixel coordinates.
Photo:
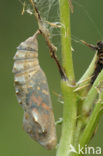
(33, 94)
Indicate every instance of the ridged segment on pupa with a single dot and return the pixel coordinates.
(33, 94)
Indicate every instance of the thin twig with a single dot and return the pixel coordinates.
(44, 31)
(71, 6)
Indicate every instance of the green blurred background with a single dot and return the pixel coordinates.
(15, 28)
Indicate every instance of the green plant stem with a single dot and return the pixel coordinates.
(90, 69)
(69, 119)
(70, 108)
(77, 132)
(92, 94)
(93, 122)
(66, 39)
(97, 89)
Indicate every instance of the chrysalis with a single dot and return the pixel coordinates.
(33, 94)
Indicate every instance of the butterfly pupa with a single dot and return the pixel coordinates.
(33, 94)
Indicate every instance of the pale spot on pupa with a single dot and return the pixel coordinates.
(45, 92)
(35, 115)
(20, 79)
(44, 81)
(38, 88)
